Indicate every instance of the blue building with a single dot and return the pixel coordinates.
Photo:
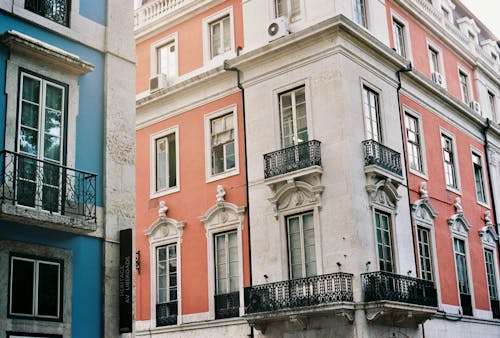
(67, 121)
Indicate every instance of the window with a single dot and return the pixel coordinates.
(166, 60)
(220, 36)
(478, 177)
(424, 251)
(360, 13)
(491, 101)
(301, 245)
(464, 87)
(449, 162)
(35, 288)
(166, 285)
(40, 142)
(434, 60)
(413, 142)
(164, 166)
(462, 276)
(293, 117)
(288, 8)
(226, 263)
(371, 113)
(384, 246)
(55, 10)
(399, 37)
(222, 142)
(490, 274)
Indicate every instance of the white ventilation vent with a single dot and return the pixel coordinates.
(277, 28)
(437, 78)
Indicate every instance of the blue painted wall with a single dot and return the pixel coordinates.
(94, 10)
(90, 120)
(87, 274)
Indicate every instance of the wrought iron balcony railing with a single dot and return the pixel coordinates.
(47, 186)
(382, 285)
(310, 291)
(466, 304)
(166, 314)
(55, 10)
(292, 158)
(227, 305)
(382, 156)
(495, 308)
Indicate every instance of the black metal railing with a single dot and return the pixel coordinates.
(227, 305)
(292, 158)
(310, 291)
(166, 314)
(382, 156)
(466, 304)
(47, 186)
(495, 308)
(382, 285)
(55, 10)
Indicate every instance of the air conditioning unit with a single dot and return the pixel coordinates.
(476, 107)
(277, 28)
(437, 78)
(157, 82)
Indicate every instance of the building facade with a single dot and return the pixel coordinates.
(370, 137)
(66, 70)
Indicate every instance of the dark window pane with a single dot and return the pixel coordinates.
(22, 287)
(48, 289)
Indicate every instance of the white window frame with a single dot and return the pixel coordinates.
(446, 133)
(366, 23)
(423, 157)
(463, 237)
(298, 18)
(493, 249)
(152, 163)
(461, 71)
(390, 215)
(406, 34)
(380, 122)
(492, 104)
(433, 46)
(302, 243)
(476, 152)
(172, 38)
(209, 177)
(206, 22)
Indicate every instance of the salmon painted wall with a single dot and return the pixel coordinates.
(190, 43)
(419, 37)
(442, 200)
(192, 201)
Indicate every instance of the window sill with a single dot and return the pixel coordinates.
(454, 190)
(419, 174)
(483, 204)
(222, 175)
(164, 192)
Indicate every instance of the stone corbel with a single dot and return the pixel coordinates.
(347, 315)
(373, 314)
(259, 326)
(298, 322)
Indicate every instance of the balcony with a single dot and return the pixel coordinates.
(55, 10)
(394, 298)
(299, 298)
(382, 160)
(294, 158)
(495, 308)
(166, 314)
(46, 192)
(227, 305)
(466, 304)
(156, 9)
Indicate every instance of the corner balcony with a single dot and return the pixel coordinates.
(166, 314)
(46, 193)
(382, 162)
(297, 300)
(391, 298)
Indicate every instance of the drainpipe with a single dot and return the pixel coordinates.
(240, 87)
(407, 69)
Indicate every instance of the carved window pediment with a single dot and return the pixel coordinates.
(488, 235)
(459, 224)
(383, 193)
(223, 214)
(423, 211)
(165, 228)
(296, 194)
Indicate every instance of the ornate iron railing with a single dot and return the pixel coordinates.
(227, 305)
(55, 10)
(292, 158)
(166, 314)
(382, 285)
(310, 291)
(466, 304)
(495, 308)
(47, 186)
(382, 156)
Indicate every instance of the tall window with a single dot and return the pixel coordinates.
(301, 245)
(293, 117)
(413, 142)
(384, 246)
(226, 263)
(462, 275)
(449, 162)
(35, 288)
(478, 177)
(424, 251)
(166, 285)
(490, 274)
(288, 8)
(55, 10)
(220, 36)
(166, 162)
(464, 87)
(491, 101)
(371, 113)
(166, 59)
(360, 13)
(40, 138)
(398, 30)
(222, 142)
(434, 60)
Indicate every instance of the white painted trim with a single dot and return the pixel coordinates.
(174, 37)
(406, 33)
(209, 177)
(477, 152)
(206, 37)
(465, 239)
(365, 83)
(461, 69)
(152, 162)
(458, 189)
(195, 317)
